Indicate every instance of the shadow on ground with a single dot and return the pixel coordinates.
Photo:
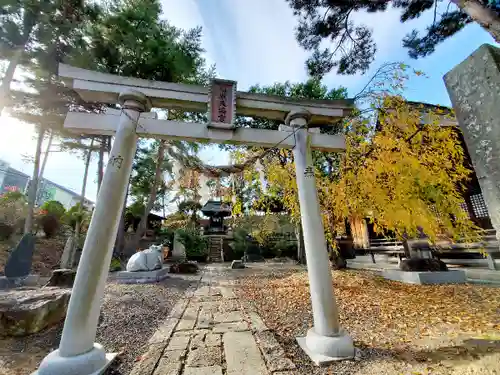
(469, 349)
(130, 314)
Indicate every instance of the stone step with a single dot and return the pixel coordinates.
(242, 354)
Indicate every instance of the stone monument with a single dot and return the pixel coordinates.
(20, 259)
(178, 251)
(18, 266)
(66, 255)
(474, 89)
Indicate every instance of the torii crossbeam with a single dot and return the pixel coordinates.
(77, 353)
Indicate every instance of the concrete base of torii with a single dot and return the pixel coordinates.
(323, 350)
(94, 362)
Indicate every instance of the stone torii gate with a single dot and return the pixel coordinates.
(77, 353)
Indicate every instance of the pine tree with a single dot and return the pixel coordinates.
(132, 40)
(353, 48)
(39, 32)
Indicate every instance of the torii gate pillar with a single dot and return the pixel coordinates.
(77, 353)
(326, 341)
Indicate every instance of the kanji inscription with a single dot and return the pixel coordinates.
(309, 172)
(222, 101)
(116, 161)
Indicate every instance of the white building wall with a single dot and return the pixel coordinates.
(64, 197)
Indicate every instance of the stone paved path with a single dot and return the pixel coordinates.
(209, 332)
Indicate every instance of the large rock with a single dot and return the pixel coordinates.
(253, 258)
(63, 278)
(185, 267)
(147, 260)
(26, 311)
(237, 265)
(422, 264)
(337, 262)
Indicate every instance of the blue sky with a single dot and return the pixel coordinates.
(252, 41)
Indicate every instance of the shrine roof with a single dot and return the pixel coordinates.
(216, 207)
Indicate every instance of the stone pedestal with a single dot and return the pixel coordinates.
(141, 277)
(438, 277)
(474, 89)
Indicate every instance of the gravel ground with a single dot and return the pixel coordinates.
(453, 330)
(129, 316)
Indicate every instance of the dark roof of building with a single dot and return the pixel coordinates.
(152, 216)
(436, 107)
(16, 172)
(443, 111)
(216, 207)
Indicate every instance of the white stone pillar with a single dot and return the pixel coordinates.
(77, 353)
(324, 342)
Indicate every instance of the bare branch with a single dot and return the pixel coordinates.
(435, 12)
(380, 71)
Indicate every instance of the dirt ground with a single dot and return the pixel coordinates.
(129, 316)
(398, 328)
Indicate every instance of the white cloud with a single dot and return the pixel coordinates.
(255, 41)
(185, 15)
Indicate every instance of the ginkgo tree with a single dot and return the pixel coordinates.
(401, 169)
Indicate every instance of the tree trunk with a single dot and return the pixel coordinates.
(141, 229)
(9, 75)
(82, 203)
(28, 225)
(108, 150)
(359, 232)
(163, 206)
(484, 16)
(45, 156)
(300, 244)
(120, 236)
(100, 163)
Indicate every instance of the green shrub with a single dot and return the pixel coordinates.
(74, 214)
(195, 244)
(115, 265)
(283, 248)
(13, 210)
(240, 243)
(55, 208)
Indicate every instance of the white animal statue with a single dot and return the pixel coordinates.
(146, 260)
